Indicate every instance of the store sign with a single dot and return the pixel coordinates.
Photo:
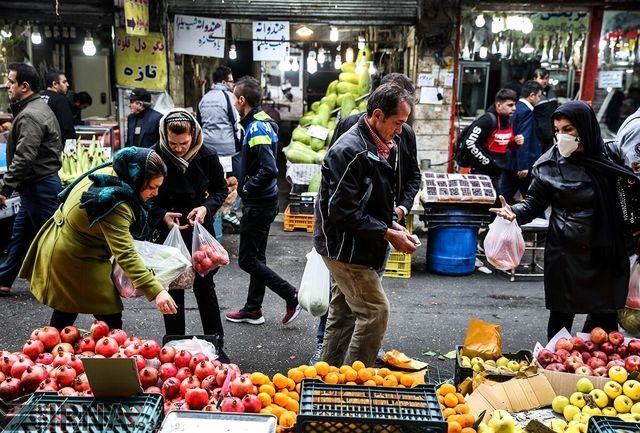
(199, 36)
(612, 79)
(270, 40)
(141, 61)
(136, 17)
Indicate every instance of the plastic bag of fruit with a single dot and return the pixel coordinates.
(166, 263)
(186, 278)
(208, 254)
(504, 244)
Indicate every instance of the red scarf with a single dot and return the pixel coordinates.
(383, 148)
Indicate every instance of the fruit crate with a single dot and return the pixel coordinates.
(362, 409)
(461, 373)
(611, 424)
(398, 265)
(48, 411)
(297, 221)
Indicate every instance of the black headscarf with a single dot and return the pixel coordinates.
(608, 235)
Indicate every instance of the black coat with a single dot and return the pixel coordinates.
(149, 122)
(572, 283)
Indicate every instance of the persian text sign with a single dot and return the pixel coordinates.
(136, 17)
(270, 40)
(141, 61)
(199, 36)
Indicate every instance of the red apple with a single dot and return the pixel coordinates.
(632, 363)
(623, 351)
(586, 356)
(564, 343)
(595, 363)
(578, 343)
(599, 354)
(556, 367)
(616, 338)
(573, 362)
(562, 354)
(545, 357)
(613, 357)
(600, 371)
(634, 347)
(607, 348)
(584, 370)
(598, 335)
(618, 362)
(589, 346)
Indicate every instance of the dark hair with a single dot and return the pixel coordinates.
(517, 73)
(401, 80)
(179, 126)
(530, 87)
(504, 95)
(250, 88)
(386, 98)
(155, 168)
(540, 73)
(52, 76)
(83, 98)
(221, 74)
(26, 74)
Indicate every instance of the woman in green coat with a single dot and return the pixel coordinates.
(68, 264)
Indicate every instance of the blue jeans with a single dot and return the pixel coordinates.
(38, 202)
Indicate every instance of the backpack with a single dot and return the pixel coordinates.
(461, 154)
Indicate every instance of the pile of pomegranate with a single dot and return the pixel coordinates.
(51, 361)
(592, 357)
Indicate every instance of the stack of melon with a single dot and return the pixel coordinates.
(341, 93)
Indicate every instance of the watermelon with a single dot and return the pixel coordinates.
(345, 87)
(314, 183)
(349, 77)
(348, 104)
(348, 67)
(300, 134)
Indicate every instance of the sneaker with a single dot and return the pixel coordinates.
(244, 316)
(317, 355)
(231, 219)
(292, 311)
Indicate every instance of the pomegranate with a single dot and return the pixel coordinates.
(210, 408)
(61, 359)
(222, 375)
(150, 349)
(48, 385)
(140, 361)
(87, 344)
(217, 364)
(132, 349)
(167, 370)
(240, 386)
(167, 354)
(99, 329)
(183, 373)
(87, 354)
(34, 334)
(49, 337)
(67, 391)
(235, 368)
(62, 347)
(20, 366)
(178, 404)
(216, 394)
(33, 348)
(119, 355)
(231, 404)
(106, 346)
(45, 358)
(251, 403)
(81, 383)
(204, 369)
(197, 398)
(182, 358)
(65, 376)
(32, 377)
(197, 359)
(7, 362)
(148, 376)
(153, 390)
(119, 335)
(154, 362)
(209, 383)
(189, 383)
(132, 339)
(75, 362)
(87, 393)
(170, 388)
(2, 376)
(70, 334)
(10, 389)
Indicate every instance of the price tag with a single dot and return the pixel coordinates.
(318, 132)
(106, 151)
(226, 164)
(70, 146)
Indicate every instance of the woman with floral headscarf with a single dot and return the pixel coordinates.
(68, 263)
(194, 190)
(586, 263)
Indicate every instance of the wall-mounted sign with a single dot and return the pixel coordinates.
(270, 40)
(141, 61)
(199, 36)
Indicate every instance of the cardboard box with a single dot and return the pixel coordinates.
(565, 383)
(514, 395)
(112, 377)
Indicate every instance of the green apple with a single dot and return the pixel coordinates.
(514, 366)
(626, 417)
(612, 389)
(618, 373)
(635, 408)
(599, 397)
(622, 404)
(558, 425)
(572, 429)
(635, 417)
(582, 418)
(590, 411)
(502, 422)
(476, 360)
(490, 362)
(609, 411)
(577, 399)
(584, 385)
(482, 427)
(559, 403)
(477, 366)
(570, 411)
(631, 388)
(502, 361)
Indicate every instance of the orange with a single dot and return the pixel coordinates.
(398, 375)
(468, 430)
(364, 374)
(462, 408)
(292, 405)
(351, 375)
(384, 372)
(357, 365)
(378, 380)
(291, 384)
(351, 383)
(390, 380)
(258, 378)
(332, 378)
(268, 389)
(322, 368)
(450, 400)
(344, 368)
(466, 420)
(440, 397)
(454, 427)
(343, 378)
(408, 380)
(296, 374)
(281, 399)
(446, 388)
(311, 372)
(303, 367)
(446, 413)
(280, 380)
(266, 411)
(294, 395)
(298, 388)
(460, 397)
(277, 410)
(334, 369)
(287, 419)
(264, 398)
(370, 382)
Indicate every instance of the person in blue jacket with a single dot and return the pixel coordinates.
(143, 123)
(516, 175)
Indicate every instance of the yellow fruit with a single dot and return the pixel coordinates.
(311, 372)
(364, 375)
(258, 378)
(296, 374)
(357, 365)
(268, 389)
(332, 378)
(264, 398)
(322, 368)
(384, 372)
(287, 419)
(281, 399)
(408, 380)
(280, 381)
(292, 405)
(446, 388)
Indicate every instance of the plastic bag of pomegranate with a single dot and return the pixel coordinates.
(184, 280)
(207, 252)
(633, 296)
(504, 244)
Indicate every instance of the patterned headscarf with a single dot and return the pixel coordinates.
(179, 115)
(108, 192)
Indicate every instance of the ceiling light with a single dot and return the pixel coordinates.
(338, 62)
(527, 49)
(360, 42)
(89, 49)
(497, 25)
(333, 34)
(312, 65)
(321, 56)
(480, 22)
(527, 25)
(629, 71)
(232, 52)
(295, 66)
(304, 32)
(349, 55)
(483, 52)
(36, 38)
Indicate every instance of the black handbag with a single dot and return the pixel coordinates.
(628, 189)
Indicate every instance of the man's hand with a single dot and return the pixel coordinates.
(3, 202)
(400, 240)
(399, 213)
(197, 214)
(172, 219)
(522, 174)
(396, 226)
(519, 139)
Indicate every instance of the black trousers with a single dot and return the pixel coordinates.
(60, 319)
(254, 234)
(557, 321)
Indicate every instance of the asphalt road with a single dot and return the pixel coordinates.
(428, 312)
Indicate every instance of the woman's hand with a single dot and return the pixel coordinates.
(172, 219)
(165, 303)
(197, 214)
(505, 211)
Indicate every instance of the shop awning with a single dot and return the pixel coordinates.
(330, 11)
(69, 11)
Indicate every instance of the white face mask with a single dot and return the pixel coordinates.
(567, 144)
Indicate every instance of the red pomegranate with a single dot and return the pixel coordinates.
(62, 347)
(33, 348)
(209, 383)
(49, 337)
(150, 349)
(45, 358)
(154, 362)
(119, 335)
(87, 344)
(75, 362)
(65, 376)
(48, 385)
(148, 377)
(32, 377)
(167, 354)
(7, 362)
(170, 388)
(231, 404)
(62, 358)
(240, 386)
(189, 383)
(132, 339)
(153, 390)
(132, 349)
(204, 369)
(106, 346)
(99, 329)
(67, 391)
(140, 361)
(20, 366)
(216, 394)
(197, 359)
(70, 334)
(183, 373)
(10, 389)
(167, 370)
(182, 358)
(251, 403)
(197, 398)
(81, 383)
(34, 334)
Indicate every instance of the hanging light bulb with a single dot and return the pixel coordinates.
(312, 65)
(304, 32)
(36, 38)
(338, 62)
(514, 23)
(333, 34)
(232, 52)
(295, 66)
(349, 55)
(497, 25)
(527, 25)
(484, 51)
(312, 55)
(527, 49)
(89, 49)
(480, 22)
(361, 42)
(321, 56)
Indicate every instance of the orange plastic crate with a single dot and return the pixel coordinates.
(298, 221)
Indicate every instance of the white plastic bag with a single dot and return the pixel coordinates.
(166, 263)
(315, 286)
(186, 278)
(208, 254)
(504, 244)
(195, 345)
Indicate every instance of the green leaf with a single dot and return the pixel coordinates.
(479, 420)
(441, 357)
(429, 353)
(450, 355)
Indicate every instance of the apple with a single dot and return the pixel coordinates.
(556, 366)
(578, 343)
(632, 363)
(585, 356)
(607, 348)
(573, 362)
(584, 370)
(613, 357)
(570, 411)
(618, 362)
(589, 346)
(612, 389)
(558, 425)
(598, 335)
(600, 371)
(563, 354)
(596, 362)
(622, 404)
(631, 388)
(559, 403)
(577, 399)
(564, 343)
(502, 361)
(591, 411)
(545, 357)
(635, 408)
(514, 366)
(622, 351)
(634, 347)
(599, 397)
(616, 338)
(599, 354)
(584, 385)
(502, 422)
(609, 411)
(618, 373)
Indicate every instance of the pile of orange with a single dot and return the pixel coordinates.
(455, 410)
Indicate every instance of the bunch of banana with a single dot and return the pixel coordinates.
(83, 160)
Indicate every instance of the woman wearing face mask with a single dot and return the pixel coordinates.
(586, 264)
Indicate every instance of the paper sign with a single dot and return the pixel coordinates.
(270, 40)
(319, 132)
(448, 79)
(141, 61)
(427, 80)
(226, 163)
(112, 377)
(429, 95)
(199, 36)
(136, 17)
(610, 79)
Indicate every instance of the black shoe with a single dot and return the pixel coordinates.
(223, 357)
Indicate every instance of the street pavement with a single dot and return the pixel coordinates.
(428, 312)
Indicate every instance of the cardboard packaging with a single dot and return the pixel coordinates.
(112, 377)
